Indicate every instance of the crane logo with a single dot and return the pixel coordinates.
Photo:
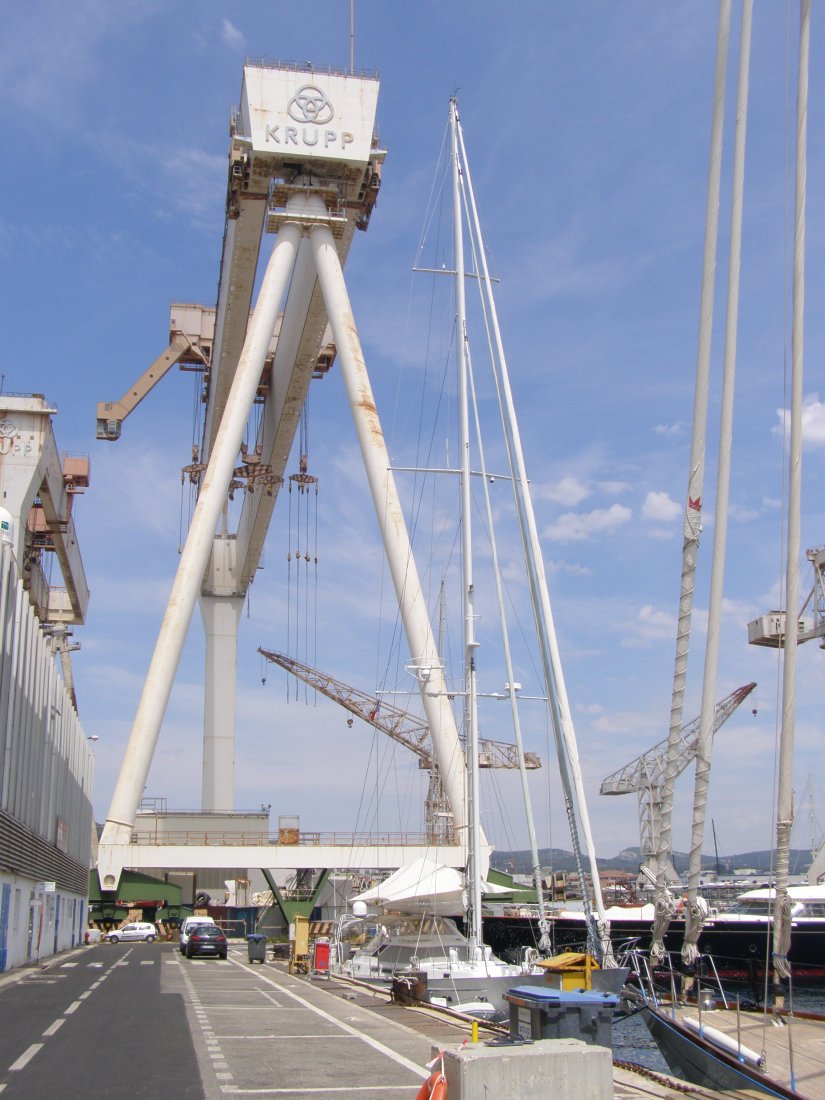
(8, 430)
(310, 104)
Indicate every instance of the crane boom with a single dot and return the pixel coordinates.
(406, 729)
(648, 770)
(645, 776)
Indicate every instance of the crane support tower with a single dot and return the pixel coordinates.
(305, 165)
(407, 730)
(645, 776)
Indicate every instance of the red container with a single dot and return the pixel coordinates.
(322, 956)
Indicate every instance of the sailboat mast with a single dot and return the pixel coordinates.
(470, 643)
(784, 815)
(692, 527)
(563, 730)
(696, 908)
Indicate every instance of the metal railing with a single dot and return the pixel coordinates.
(667, 977)
(304, 839)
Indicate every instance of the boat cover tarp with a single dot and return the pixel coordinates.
(425, 887)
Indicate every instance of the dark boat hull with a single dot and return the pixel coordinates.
(738, 948)
(692, 1060)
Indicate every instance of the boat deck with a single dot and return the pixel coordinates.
(792, 1046)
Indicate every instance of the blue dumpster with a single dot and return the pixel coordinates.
(539, 1013)
(256, 944)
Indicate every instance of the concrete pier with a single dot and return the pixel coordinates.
(567, 1069)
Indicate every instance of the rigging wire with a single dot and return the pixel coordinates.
(393, 648)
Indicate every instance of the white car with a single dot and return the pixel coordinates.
(188, 925)
(137, 930)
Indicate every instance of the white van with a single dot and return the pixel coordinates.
(188, 925)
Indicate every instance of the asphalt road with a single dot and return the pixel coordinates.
(101, 1024)
(136, 1021)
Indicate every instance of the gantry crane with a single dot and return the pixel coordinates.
(645, 776)
(769, 630)
(408, 730)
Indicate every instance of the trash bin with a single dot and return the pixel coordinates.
(256, 944)
(539, 1013)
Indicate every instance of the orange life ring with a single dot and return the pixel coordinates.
(434, 1088)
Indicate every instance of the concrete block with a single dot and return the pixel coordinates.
(566, 1069)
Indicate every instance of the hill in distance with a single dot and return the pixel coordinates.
(557, 859)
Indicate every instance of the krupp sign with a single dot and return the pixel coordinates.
(310, 106)
(330, 116)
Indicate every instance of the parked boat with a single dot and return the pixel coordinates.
(772, 1051)
(441, 964)
(426, 958)
(738, 937)
(703, 1034)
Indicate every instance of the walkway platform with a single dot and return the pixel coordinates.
(262, 1031)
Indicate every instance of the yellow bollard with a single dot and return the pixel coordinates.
(474, 1031)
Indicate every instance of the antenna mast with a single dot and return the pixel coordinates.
(352, 36)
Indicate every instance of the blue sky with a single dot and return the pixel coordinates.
(587, 127)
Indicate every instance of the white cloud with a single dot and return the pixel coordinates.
(813, 421)
(655, 623)
(659, 508)
(614, 488)
(627, 723)
(231, 35)
(568, 490)
(651, 626)
(554, 567)
(669, 429)
(739, 514)
(590, 708)
(578, 526)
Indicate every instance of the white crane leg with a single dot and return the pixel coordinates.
(221, 615)
(193, 561)
(393, 527)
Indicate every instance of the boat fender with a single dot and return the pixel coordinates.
(724, 1042)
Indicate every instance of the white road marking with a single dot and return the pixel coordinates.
(52, 1028)
(25, 1057)
(420, 1072)
(288, 1038)
(72, 1008)
(269, 997)
(66, 966)
(147, 962)
(249, 1008)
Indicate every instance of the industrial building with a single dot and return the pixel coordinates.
(46, 760)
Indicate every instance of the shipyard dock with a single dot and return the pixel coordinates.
(157, 1024)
